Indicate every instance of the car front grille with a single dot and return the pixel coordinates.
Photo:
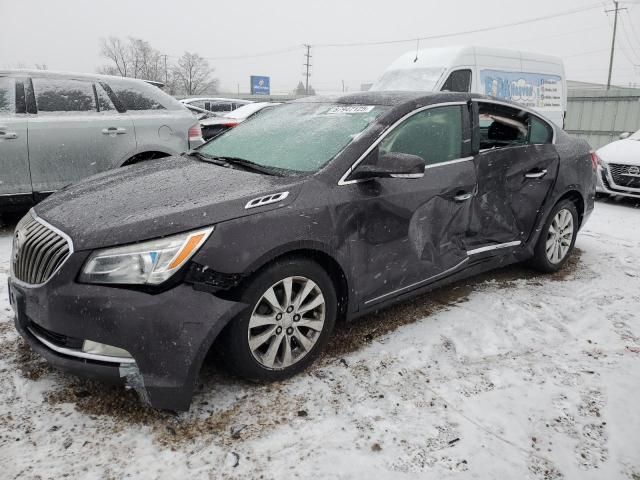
(625, 175)
(38, 251)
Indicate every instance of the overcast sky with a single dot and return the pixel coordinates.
(64, 34)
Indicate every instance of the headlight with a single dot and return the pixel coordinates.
(145, 263)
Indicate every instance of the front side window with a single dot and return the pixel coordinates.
(434, 134)
(502, 126)
(458, 81)
(62, 95)
(7, 95)
(300, 137)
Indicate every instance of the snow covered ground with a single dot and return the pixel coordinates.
(508, 375)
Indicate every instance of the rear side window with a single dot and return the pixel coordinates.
(458, 81)
(62, 95)
(502, 126)
(434, 134)
(7, 95)
(139, 95)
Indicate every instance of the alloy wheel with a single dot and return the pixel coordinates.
(559, 236)
(286, 322)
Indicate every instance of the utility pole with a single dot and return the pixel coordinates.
(613, 39)
(307, 64)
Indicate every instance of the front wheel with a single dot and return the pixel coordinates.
(557, 238)
(293, 308)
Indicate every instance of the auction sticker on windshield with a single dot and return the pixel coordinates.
(351, 109)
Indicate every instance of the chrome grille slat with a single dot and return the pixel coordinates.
(39, 250)
(623, 177)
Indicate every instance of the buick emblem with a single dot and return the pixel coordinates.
(634, 170)
(19, 240)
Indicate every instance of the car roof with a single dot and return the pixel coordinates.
(71, 75)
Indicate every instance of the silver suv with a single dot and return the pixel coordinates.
(57, 128)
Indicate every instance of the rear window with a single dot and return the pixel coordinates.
(7, 95)
(139, 95)
(63, 95)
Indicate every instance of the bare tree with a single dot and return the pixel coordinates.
(116, 50)
(194, 75)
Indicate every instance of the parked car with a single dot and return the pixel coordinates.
(324, 209)
(58, 128)
(213, 126)
(619, 167)
(216, 105)
(530, 79)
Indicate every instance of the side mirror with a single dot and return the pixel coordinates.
(624, 135)
(391, 165)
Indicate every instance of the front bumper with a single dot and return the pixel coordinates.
(168, 334)
(606, 185)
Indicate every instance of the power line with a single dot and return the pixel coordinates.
(252, 55)
(635, 63)
(464, 32)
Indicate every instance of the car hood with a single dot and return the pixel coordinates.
(626, 152)
(157, 198)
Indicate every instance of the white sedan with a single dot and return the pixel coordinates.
(619, 167)
(214, 126)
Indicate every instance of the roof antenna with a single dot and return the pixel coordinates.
(417, 49)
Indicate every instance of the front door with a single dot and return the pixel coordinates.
(517, 165)
(14, 154)
(413, 231)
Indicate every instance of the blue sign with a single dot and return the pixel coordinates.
(536, 90)
(260, 85)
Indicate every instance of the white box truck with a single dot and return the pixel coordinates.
(530, 79)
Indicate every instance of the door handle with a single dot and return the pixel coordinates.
(535, 174)
(114, 131)
(7, 135)
(462, 196)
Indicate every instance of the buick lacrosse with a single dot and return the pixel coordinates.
(258, 242)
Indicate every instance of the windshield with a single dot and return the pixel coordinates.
(412, 79)
(635, 136)
(302, 137)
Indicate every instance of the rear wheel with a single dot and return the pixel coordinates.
(293, 311)
(557, 238)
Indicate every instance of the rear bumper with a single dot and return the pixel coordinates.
(167, 334)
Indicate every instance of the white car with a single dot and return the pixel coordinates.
(214, 126)
(216, 105)
(619, 167)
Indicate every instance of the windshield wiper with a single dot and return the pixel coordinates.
(206, 158)
(249, 165)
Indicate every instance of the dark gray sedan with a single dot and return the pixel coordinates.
(321, 210)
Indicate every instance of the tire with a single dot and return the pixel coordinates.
(556, 243)
(277, 318)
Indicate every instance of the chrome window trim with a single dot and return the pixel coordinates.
(525, 109)
(59, 232)
(80, 354)
(417, 284)
(489, 248)
(343, 180)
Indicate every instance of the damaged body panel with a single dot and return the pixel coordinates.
(363, 200)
